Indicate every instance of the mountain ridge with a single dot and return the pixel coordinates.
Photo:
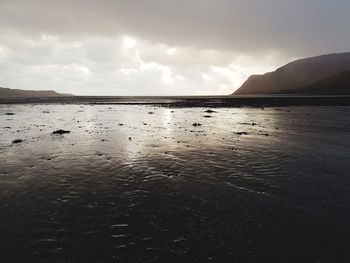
(300, 75)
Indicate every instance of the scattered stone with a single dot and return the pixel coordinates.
(60, 132)
(241, 133)
(150, 112)
(121, 124)
(210, 111)
(171, 175)
(9, 113)
(17, 141)
(196, 124)
(207, 116)
(130, 138)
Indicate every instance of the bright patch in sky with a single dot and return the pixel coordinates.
(183, 47)
(128, 42)
(124, 65)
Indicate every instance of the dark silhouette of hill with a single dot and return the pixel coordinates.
(338, 84)
(6, 92)
(327, 74)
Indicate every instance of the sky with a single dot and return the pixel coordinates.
(160, 47)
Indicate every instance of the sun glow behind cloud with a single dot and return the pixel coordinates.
(183, 47)
(124, 65)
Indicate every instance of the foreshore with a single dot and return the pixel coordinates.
(190, 101)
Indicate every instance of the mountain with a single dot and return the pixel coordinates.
(5, 92)
(337, 84)
(327, 74)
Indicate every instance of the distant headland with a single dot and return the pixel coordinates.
(6, 92)
(321, 75)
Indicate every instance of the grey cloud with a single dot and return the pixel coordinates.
(297, 26)
(178, 47)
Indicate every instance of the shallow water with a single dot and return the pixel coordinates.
(133, 183)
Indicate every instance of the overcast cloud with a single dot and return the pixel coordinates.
(160, 47)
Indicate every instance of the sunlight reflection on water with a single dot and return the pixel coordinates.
(141, 183)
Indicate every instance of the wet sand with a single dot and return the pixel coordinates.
(143, 183)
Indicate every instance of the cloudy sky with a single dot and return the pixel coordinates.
(160, 47)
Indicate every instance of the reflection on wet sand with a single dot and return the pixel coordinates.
(136, 183)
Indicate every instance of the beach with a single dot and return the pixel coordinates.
(136, 181)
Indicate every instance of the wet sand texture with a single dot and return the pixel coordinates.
(247, 185)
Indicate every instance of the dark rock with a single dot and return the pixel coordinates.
(196, 124)
(9, 113)
(17, 141)
(210, 111)
(60, 132)
(171, 174)
(241, 133)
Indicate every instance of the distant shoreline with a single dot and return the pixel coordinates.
(190, 101)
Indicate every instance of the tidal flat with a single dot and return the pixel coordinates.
(141, 183)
